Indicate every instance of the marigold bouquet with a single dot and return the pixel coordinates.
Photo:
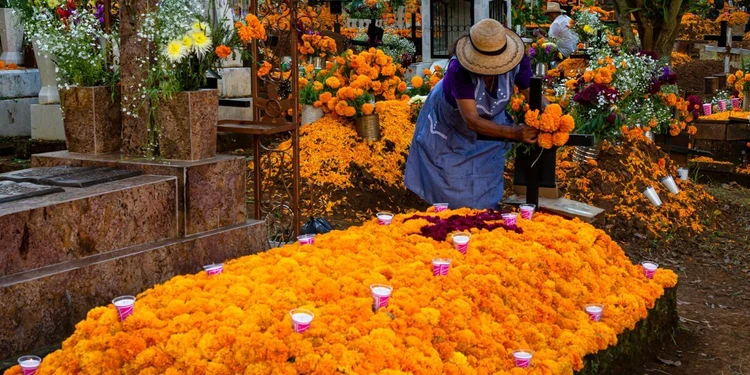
(422, 84)
(734, 18)
(554, 127)
(314, 44)
(72, 34)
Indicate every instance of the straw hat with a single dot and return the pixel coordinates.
(553, 7)
(490, 48)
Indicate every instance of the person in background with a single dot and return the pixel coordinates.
(565, 38)
(457, 154)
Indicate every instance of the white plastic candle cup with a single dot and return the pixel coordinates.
(440, 207)
(707, 109)
(527, 211)
(651, 194)
(510, 220)
(214, 269)
(301, 319)
(29, 364)
(440, 267)
(595, 312)
(461, 241)
(380, 295)
(124, 306)
(735, 103)
(722, 105)
(523, 357)
(684, 173)
(384, 218)
(649, 268)
(669, 183)
(306, 239)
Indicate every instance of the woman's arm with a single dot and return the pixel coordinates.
(468, 110)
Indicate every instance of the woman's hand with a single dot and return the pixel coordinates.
(525, 134)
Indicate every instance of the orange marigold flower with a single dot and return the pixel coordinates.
(560, 138)
(417, 82)
(545, 140)
(333, 82)
(567, 123)
(367, 109)
(223, 51)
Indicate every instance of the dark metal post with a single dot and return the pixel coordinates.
(532, 168)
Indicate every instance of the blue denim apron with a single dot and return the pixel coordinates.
(447, 163)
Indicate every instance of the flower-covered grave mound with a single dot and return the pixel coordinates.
(524, 288)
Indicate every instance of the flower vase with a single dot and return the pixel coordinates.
(310, 114)
(540, 69)
(585, 153)
(317, 63)
(746, 102)
(49, 93)
(368, 127)
(11, 37)
(188, 121)
(91, 118)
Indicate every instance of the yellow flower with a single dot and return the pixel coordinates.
(176, 51)
(53, 3)
(199, 26)
(187, 41)
(588, 29)
(201, 42)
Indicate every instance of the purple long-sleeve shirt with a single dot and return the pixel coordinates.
(457, 80)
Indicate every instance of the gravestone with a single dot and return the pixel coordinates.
(13, 191)
(90, 177)
(37, 174)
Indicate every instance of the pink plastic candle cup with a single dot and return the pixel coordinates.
(707, 109)
(527, 211)
(722, 105)
(124, 306)
(461, 241)
(214, 269)
(384, 218)
(510, 220)
(595, 311)
(440, 267)
(735, 103)
(306, 239)
(523, 357)
(29, 364)
(301, 319)
(440, 207)
(649, 268)
(381, 294)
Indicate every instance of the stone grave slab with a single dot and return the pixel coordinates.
(35, 175)
(13, 191)
(89, 177)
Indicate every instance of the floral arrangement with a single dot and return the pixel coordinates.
(357, 81)
(733, 18)
(314, 44)
(568, 68)
(366, 9)
(740, 81)
(587, 24)
(544, 51)
(632, 89)
(510, 290)
(554, 127)
(424, 83)
(615, 181)
(65, 31)
(695, 27)
(400, 49)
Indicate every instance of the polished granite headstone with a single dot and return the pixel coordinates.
(90, 177)
(35, 175)
(13, 191)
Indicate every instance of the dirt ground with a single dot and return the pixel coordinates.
(713, 293)
(690, 75)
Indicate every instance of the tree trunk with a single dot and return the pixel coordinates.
(622, 12)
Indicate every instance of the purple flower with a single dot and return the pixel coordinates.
(547, 49)
(100, 13)
(532, 52)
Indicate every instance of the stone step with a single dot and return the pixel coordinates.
(19, 83)
(42, 306)
(79, 222)
(211, 192)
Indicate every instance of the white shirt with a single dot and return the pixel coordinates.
(567, 40)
